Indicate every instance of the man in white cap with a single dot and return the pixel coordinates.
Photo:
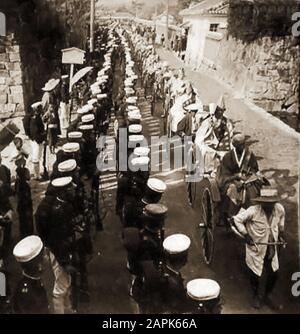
(262, 225)
(204, 296)
(55, 221)
(30, 296)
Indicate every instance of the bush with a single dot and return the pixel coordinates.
(248, 21)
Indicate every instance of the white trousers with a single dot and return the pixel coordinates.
(62, 288)
(36, 151)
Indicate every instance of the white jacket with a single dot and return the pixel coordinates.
(254, 222)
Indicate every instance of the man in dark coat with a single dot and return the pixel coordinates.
(55, 222)
(236, 167)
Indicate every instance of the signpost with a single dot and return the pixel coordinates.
(73, 56)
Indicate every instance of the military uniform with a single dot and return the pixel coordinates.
(30, 296)
(58, 234)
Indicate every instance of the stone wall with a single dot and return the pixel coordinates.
(265, 71)
(54, 25)
(11, 81)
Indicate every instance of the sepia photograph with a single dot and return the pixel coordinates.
(149, 160)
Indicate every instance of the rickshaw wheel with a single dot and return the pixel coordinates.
(207, 223)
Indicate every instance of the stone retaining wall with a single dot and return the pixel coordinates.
(265, 71)
(11, 81)
(31, 54)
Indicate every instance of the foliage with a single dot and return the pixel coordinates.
(250, 20)
(183, 4)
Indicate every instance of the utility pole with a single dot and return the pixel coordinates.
(92, 25)
(167, 33)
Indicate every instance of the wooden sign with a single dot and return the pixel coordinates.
(73, 56)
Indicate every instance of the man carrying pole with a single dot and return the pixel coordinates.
(262, 225)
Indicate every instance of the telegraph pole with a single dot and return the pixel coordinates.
(92, 25)
(167, 34)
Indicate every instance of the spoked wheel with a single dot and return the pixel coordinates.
(207, 222)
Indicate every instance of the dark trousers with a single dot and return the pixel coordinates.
(5, 245)
(270, 276)
(25, 220)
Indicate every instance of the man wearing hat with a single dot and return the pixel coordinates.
(262, 225)
(50, 105)
(30, 296)
(35, 130)
(188, 126)
(237, 166)
(204, 296)
(214, 132)
(55, 221)
(176, 249)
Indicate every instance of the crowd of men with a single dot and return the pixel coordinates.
(70, 209)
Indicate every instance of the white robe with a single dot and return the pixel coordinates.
(205, 137)
(177, 112)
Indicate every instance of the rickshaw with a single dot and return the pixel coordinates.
(204, 194)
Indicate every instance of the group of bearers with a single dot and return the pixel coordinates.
(249, 203)
(154, 261)
(69, 211)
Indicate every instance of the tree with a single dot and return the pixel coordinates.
(182, 4)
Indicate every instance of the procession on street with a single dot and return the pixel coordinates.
(100, 155)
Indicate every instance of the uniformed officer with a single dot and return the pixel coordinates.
(30, 296)
(176, 249)
(102, 113)
(89, 151)
(55, 222)
(154, 190)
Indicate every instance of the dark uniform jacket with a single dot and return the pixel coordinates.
(30, 297)
(34, 128)
(229, 167)
(54, 223)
